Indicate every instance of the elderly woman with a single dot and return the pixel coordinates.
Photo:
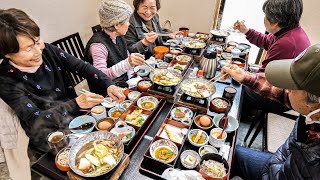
(34, 82)
(286, 39)
(107, 50)
(144, 25)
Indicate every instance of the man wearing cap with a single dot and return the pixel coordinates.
(294, 83)
(107, 49)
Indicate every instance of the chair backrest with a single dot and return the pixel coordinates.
(73, 45)
(96, 28)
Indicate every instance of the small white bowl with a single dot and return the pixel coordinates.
(133, 95)
(213, 139)
(195, 131)
(125, 104)
(115, 109)
(144, 99)
(207, 149)
(164, 143)
(183, 156)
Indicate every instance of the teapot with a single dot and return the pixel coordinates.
(208, 64)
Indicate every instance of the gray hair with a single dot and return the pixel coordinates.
(113, 28)
(286, 13)
(311, 98)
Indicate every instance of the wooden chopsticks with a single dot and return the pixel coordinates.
(84, 91)
(152, 68)
(216, 78)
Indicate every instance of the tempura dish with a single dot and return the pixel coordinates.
(136, 118)
(96, 154)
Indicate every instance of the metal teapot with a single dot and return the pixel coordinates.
(208, 64)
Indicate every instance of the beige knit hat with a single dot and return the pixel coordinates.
(112, 12)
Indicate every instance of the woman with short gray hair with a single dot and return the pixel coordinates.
(107, 49)
(286, 40)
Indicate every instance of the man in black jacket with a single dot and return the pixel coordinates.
(299, 156)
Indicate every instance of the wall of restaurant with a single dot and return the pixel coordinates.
(59, 18)
(310, 20)
(196, 15)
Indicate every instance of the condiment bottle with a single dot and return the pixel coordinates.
(200, 73)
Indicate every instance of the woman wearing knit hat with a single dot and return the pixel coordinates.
(144, 25)
(107, 49)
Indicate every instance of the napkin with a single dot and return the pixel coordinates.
(133, 82)
(176, 174)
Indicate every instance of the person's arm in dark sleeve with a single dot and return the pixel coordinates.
(134, 44)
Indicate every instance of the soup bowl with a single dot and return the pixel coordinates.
(147, 102)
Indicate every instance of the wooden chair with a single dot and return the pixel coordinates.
(73, 45)
(96, 28)
(270, 124)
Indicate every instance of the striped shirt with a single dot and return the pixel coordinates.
(99, 54)
(257, 82)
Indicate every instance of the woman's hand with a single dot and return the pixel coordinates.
(136, 59)
(149, 38)
(173, 35)
(116, 93)
(239, 25)
(88, 100)
(234, 71)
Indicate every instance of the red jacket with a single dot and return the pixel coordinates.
(285, 44)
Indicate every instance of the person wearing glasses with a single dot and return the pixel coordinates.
(144, 25)
(34, 82)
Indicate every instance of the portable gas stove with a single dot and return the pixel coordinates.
(202, 104)
(165, 91)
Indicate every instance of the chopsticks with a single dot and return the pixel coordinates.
(233, 26)
(216, 78)
(84, 91)
(152, 68)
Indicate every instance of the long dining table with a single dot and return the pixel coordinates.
(46, 166)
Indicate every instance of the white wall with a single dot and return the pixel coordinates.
(310, 20)
(197, 15)
(59, 18)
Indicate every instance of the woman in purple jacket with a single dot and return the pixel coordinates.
(285, 40)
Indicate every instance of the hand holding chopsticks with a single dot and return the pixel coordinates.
(216, 78)
(88, 99)
(151, 68)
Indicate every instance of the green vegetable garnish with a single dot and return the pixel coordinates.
(128, 136)
(178, 110)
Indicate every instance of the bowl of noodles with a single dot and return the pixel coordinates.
(213, 167)
(96, 154)
(62, 160)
